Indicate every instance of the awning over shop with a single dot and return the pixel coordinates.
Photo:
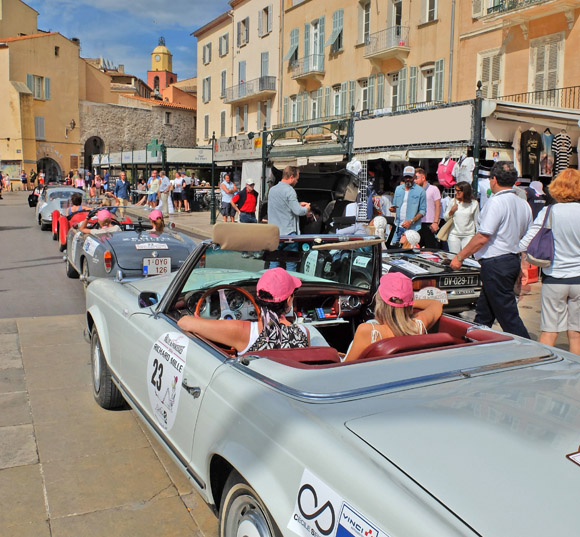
(450, 125)
(559, 118)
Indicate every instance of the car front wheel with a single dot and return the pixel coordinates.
(242, 512)
(106, 393)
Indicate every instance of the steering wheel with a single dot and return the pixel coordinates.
(225, 310)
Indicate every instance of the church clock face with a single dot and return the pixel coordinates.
(157, 57)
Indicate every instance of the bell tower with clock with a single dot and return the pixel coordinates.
(161, 74)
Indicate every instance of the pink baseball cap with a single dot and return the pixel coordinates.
(104, 215)
(155, 214)
(278, 283)
(396, 285)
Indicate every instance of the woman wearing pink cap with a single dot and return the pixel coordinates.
(275, 293)
(156, 217)
(394, 314)
(105, 219)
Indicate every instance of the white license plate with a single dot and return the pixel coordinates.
(457, 281)
(433, 293)
(156, 265)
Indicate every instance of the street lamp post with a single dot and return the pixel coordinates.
(212, 195)
(477, 135)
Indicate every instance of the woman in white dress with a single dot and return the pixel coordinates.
(465, 212)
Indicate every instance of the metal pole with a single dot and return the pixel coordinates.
(350, 135)
(264, 159)
(212, 195)
(477, 135)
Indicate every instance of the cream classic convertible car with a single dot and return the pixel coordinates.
(463, 431)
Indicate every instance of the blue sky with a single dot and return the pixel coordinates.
(126, 31)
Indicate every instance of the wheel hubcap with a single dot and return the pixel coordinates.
(247, 519)
(97, 366)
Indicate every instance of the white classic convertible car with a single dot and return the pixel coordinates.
(463, 431)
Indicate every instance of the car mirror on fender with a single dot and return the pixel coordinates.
(147, 299)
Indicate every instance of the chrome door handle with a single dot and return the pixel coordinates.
(191, 390)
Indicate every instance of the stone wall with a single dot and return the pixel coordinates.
(135, 126)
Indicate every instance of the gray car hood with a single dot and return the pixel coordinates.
(491, 448)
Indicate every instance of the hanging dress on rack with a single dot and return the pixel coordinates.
(562, 147)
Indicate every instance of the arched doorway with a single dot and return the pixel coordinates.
(51, 169)
(93, 146)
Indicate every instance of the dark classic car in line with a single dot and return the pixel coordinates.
(133, 252)
(464, 431)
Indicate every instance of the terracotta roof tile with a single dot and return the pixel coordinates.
(160, 103)
(22, 37)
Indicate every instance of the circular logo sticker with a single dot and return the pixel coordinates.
(164, 375)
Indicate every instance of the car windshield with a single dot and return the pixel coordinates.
(60, 195)
(315, 260)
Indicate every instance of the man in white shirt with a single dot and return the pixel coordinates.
(502, 224)
(429, 222)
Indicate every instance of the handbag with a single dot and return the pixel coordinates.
(541, 248)
(443, 233)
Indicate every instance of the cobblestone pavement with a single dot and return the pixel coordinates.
(70, 468)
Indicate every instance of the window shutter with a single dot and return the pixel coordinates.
(340, 19)
(265, 61)
(47, 88)
(209, 88)
(208, 52)
(227, 44)
(477, 8)
(223, 123)
(380, 90)
(204, 55)
(247, 30)
(343, 98)
(206, 126)
(259, 116)
(306, 41)
(439, 82)
(237, 119)
(424, 8)
(552, 67)
(285, 110)
(495, 75)
(268, 111)
(299, 107)
(327, 102)
(305, 102)
(540, 66)
(269, 22)
(319, 103)
(30, 82)
(245, 117)
(371, 89)
(220, 46)
(320, 50)
(260, 14)
(351, 94)
(485, 76)
(402, 93)
(239, 34)
(412, 84)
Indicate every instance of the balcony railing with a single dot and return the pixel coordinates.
(501, 6)
(309, 65)
(251, 88)
(387, 42)
(558, 97)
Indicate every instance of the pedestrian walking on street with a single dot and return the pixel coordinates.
(505, 219)
(245, 204)
(285, 211)
(228, 189)
(187, 192)
(121, 193)
(561, 280)
(177, 192)
(153, 184)
(429, 222)
(164, 191)
(465, 212)
(409, 204)
(24, 180)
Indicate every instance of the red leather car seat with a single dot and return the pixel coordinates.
(406, 344)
